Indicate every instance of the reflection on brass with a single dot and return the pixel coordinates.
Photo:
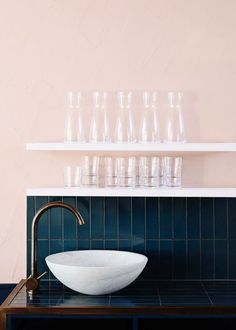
(32, 282)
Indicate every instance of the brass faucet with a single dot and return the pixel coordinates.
(32, 282)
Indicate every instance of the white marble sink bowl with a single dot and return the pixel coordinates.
(96, 272)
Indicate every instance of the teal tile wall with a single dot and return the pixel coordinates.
(184, 238)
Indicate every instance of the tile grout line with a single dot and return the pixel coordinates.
(186, 236)
(159, 230)
(227, 233)
(131, 223)
(104, 223)
(200, 236)
(90, 222)
(49, 235)
(76, 228)
(205, 291)
(63, 226)
(117, 222)
(173, 236)
(159, 296)
(214, 238)
(145, 224)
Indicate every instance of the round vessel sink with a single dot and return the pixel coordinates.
(96, 272)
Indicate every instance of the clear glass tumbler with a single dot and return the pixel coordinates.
(149, 127)
(174, 130)
(90, 171)
(68, 176)
(124, 130)
(99, 126)
(172, 171)
(126, 169)
(77, 176)
(149, 169)
(161, 171)
(110, 172)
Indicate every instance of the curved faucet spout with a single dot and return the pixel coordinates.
(33, 280)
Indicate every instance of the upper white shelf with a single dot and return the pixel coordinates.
(126, 192)
(136, 147)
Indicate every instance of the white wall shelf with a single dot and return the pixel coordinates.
(126, 192)
(135, 147)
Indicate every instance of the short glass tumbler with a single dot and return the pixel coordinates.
(126, 169)
(110, 172)
(90, 171)
(172, 171)
(149, 169)
(68, 177)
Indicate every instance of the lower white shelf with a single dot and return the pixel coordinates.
(138, 192)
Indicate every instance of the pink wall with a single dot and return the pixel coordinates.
(48, 47)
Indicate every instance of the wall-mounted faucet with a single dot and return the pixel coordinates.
(32, 282)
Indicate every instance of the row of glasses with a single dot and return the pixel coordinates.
(126, 172)
(125, 119)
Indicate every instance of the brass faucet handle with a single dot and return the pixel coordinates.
(40, 276)
(32, 283)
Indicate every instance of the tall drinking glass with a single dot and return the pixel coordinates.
(124, 131)
(174, 131)
(149, 127)
(99, 126)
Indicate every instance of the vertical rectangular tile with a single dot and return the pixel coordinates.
(138, 245)
(232, 217)
(30, 214)
(179, 261)
(56, 246)
(220, 218)
(43, 252)
(43, 225)
(193, 262)
(179, 214)
(220, 259)
(97, 244)
(97, 218)
(83, 206)
(124, 218)
(152, 218)
(125, 244)
(232, 258)
(111, 244)
(138, 218)
(111, 223)
(207, 259)
(193, 217)
(70, 244)
(28, 264)
(166, 259)
(84, 244)
(166, 218)
(69, 220)
(55, 215)
(207, 218)
(151, 271)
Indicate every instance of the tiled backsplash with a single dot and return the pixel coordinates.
(184, 238)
